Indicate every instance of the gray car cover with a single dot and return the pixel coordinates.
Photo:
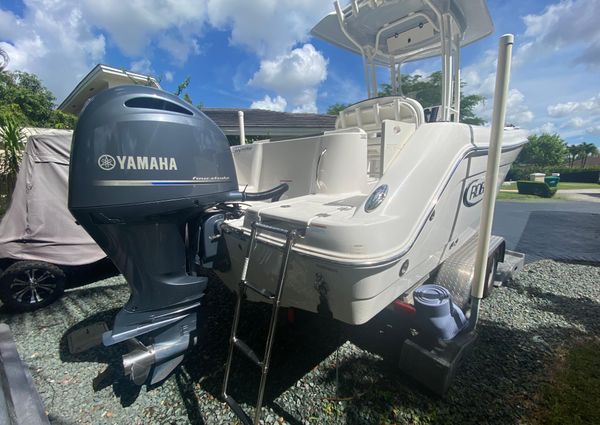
(37, 224)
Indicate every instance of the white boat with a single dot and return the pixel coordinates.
(366, 214)
(382, 201)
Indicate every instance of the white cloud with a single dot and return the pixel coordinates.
(577, 122)
(566, 24)
(53, 40)
(271, 28)
(134, 24)
(561, 109)
(517, 111)
(548, 127)
(295, 76)
(267, 27)
(169, 76)
(143, 66)
(61, 40)
(342, 89)
(307, 108)
(522, 53)
(595, 129)
(481, 80)
(591, 105)
(180, 47)
(271, 104)
(421, 73)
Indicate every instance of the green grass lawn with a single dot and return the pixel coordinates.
(516, 196)
(565, 185)
(572, 395)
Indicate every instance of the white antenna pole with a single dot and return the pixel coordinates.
(242, 128)
(491, 180)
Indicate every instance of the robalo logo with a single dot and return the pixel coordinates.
(474, 192)
(106, 162)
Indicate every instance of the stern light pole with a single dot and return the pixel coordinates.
(491, 180)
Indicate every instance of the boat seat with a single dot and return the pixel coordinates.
(330, 163)
(370, 113)
(392, 119)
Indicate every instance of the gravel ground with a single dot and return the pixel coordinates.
(522, 325)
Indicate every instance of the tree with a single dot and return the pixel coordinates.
(24, 99)
(10, 158)
(4, 59)
(182, 86)
(428, 92)
(587, 150)
(573, 153)
(336, 108)
(543, 150)
(186, 96)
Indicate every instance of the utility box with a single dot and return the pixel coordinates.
(537, 177)
(552, 181)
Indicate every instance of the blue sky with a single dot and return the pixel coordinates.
(258, 53)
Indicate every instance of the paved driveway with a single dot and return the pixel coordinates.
(559, 230)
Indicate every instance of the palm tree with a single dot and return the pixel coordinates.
(588, 150)
(573, 152)
(10, 139)
(3, 60)
(580, 153)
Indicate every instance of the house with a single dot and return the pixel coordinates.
(258, 123)
(102, 77)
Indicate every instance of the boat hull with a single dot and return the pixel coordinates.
(354, 288)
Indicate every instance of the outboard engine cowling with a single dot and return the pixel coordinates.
(145, 168)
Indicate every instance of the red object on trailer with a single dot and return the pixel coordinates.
(405, 307)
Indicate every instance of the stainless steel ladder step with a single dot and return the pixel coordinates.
(260, 291)
(249, 352)
(275, 300)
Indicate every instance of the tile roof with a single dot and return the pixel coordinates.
(263, 122)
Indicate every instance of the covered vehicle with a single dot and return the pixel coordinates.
(40, 240)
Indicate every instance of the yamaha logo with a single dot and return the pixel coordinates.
(106, 162)
(474, 192)
(126, 162)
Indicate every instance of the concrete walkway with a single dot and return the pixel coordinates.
(586, 195)
(559, 230)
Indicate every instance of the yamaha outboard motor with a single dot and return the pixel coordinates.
(147, 171)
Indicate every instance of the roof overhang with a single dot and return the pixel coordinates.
(102, 77)
(271, 124)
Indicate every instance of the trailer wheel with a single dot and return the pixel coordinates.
(492, 267)
(29, 285)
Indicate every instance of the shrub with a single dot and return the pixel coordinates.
(581, 177)
(10, 139)
(567, 174)
(536, 188)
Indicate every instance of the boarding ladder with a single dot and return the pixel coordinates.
(275, 300)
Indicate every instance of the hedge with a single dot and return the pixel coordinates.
(581, 177)
(567, 174)
(536, 188)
